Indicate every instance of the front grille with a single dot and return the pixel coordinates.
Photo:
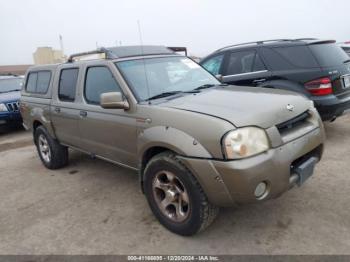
(293, 123)
(13, 106)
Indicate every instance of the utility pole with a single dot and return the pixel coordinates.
(61, 44)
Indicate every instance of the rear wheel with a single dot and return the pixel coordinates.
(51, 152)
(175, 196)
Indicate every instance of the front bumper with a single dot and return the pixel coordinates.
(227, 183)
(10, 117)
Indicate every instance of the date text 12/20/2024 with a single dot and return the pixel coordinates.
(173, 258)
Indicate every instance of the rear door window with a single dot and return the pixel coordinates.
(99, 80)
(43, 82)
(213, 64)
(329, 54)
(297, 56)
(68, 84)
(244, 62)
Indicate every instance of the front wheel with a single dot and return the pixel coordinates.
(175, 196)
(52, 154)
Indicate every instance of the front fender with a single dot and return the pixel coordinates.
(171, 138)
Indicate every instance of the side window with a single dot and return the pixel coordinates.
(98, 80)
(275, 61)
(299, 56)
(213, 64)
(38, 82)
(68, 84)
(240, 62)
(43, 82)
(258, 64)
(31, 82)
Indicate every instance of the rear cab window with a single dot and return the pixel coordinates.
(38, 82)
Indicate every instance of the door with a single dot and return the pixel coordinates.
(108, 133)
(245, 68)
(64, 110)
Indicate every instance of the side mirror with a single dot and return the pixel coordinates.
(113, 100)
(219, 77)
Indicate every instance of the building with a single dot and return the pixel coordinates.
(48, 55)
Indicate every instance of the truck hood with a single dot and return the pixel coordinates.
(244, 106)
(10, 96)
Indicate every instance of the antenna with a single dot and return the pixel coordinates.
(143, 60)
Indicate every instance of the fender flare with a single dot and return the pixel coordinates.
(38, 115)
(172, 139)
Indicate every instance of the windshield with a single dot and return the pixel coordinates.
(153, 76)
(329, 54)
(10, 84)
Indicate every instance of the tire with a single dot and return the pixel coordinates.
(196, 215)
(55, 155)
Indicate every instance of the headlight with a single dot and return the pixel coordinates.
(3, 108)
(245, 142)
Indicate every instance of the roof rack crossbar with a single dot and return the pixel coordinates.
(101, 50)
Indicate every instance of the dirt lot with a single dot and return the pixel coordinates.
(93, 207)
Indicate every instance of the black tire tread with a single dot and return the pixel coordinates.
(59, 153)
(208, 211)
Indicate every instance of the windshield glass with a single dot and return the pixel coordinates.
(329, 54)
(10, 84)
(153, 76)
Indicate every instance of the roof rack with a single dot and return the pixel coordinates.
(301, 39)
(101, 50)
(255, 42)
(129, 51)
(265, 41)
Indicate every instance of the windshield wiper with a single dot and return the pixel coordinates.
(164, 94)
(204, 86)
(346, 61)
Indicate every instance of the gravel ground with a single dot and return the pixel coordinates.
(93, 207)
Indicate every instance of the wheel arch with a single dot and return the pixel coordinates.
(42, 121)
(156, 140)
(160, 138)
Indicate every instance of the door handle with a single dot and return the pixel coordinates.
(57, 109)
(258, 81)
(83, 113)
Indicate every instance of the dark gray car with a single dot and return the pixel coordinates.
(195, 143)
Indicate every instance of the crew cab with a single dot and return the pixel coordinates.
(196, 144)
